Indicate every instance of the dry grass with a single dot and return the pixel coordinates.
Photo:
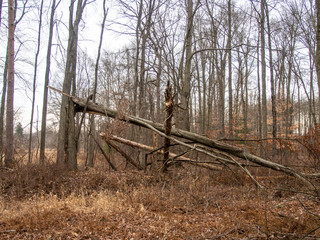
(50, 203)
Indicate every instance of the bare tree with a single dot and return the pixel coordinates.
(3, 100)
(94, 92)
(272, 83)
(186, 89)
(66, 151)
(10, 90)
(230, 70)
(263, 70)
(34, 82)
(46, 83)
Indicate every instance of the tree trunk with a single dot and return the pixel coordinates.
(204, 94)
(168, 126)
(198, 115)
(2, 108)
(263, 70)
(92, 121)
(136, 61)
(184, 121)
(318, 47)
(299, 110)
(34, 84)
(158, 81)
(288, 100)
(259, 95)
(273, 94)
(230, 70)
(246, 97)
(66, 152)
(45, 90)
(221, 91)
(10, 90)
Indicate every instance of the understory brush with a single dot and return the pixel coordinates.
(47, 202)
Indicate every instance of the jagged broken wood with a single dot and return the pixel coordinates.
(94, 108)
(168, 126)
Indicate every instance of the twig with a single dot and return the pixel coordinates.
(9, 231)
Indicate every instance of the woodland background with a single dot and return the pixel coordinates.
(240, 78)
(237, 71)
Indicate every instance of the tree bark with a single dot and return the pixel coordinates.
(318, 46)
(230, 70)
(184, 120)
(66, 152)
(259, 122)
(34, 83)
(2, 108)
(45, 90)
(92, 120)
(168, 126)
(10, 88)
(273, 93)
(263, 70)
(136, 61)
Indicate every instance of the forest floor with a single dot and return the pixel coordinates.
(50, 203)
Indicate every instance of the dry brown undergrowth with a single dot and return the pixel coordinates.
(49, 203)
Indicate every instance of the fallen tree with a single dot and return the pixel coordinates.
(93, 108)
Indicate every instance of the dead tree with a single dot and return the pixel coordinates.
(217, 147)
(10, 88)
(168, 125)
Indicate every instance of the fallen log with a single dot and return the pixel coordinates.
(208, 165)
(233, 150)
(94, 108)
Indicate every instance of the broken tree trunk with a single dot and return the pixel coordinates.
(232, 150)
(168, 126)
